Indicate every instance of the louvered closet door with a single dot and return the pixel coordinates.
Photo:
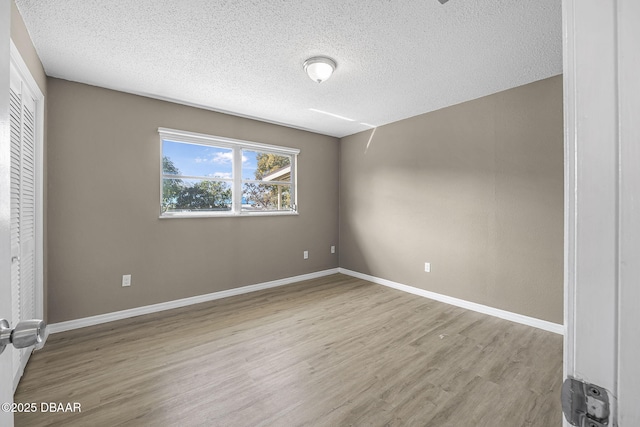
(23, 199)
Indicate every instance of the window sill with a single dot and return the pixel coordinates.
(226, 214)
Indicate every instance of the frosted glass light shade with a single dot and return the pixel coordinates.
(319, 68)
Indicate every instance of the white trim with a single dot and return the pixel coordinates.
(236, 182)
(25, 73)
(261, 181)
(199, 178)
(226, 214)
(6, 358)
(569, 112)
(496, 312)
(628, 373)
(23, 364)
(219, 141)
(147, 309)
(594, 206)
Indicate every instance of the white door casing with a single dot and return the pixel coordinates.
(6, 371)
(590, 193)
(629, 219)
(602, 213)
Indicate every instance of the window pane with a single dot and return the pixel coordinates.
(179, 158)
(265, 166)
(266, 197)
(198, 176)
(189, 195)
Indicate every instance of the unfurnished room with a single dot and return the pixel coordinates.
(275, 213)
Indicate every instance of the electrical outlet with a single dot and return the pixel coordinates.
(126, 280)
(305, 254)
(333, 249)
(427, 267)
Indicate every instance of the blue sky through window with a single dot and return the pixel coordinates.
(205, 160)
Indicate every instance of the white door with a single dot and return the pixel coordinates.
(6, 370)
(22, 117)
(602, 194)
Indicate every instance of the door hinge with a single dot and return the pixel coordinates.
(584, 404)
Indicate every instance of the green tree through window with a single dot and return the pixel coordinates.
(192, 196)
(265, 195)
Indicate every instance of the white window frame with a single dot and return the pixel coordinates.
(237, 146)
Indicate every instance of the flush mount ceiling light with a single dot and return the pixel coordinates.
(319, 68)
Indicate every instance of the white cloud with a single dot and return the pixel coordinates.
(220, 157)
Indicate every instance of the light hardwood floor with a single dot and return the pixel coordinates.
(334, 351)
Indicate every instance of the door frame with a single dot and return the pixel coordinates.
(629, 294)
(628, 35)
(602, 203)
(6, 362)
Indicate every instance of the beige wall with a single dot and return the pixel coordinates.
(476, 189)
(103, 183)
(22, 40)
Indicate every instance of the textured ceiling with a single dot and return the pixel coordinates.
(396, 58)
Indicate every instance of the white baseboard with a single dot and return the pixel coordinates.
(23, 364)
(124, 314)
(503, 314)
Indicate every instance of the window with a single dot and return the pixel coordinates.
(204, 175)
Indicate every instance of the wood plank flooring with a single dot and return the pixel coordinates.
(334, 351)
